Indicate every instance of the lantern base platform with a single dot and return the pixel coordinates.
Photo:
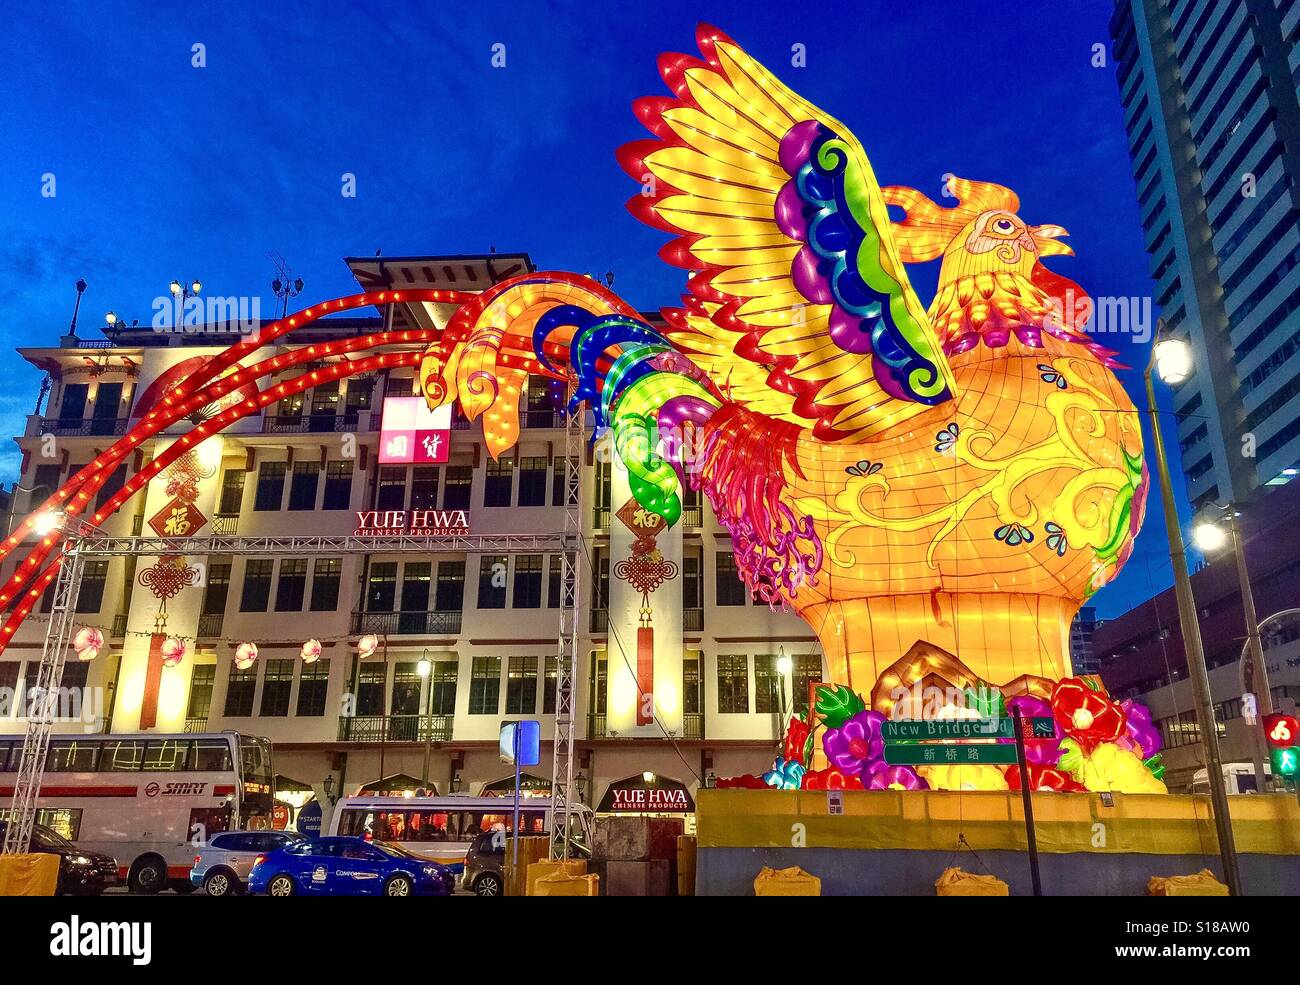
(896, 843)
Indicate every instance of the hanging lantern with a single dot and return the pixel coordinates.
(173, 651)
(367, 645)
(311, 651)
(245, 655)
(87, 643)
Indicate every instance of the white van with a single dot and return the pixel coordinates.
(1237, 778)
(442, 828)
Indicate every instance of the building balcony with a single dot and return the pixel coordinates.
(395, 728)
(309, 423)
(210, 624)
(119, 625)
(600, 620)
(225, 524)
(196, 724)
(692, 620)
(693, 516)
(409, 623)
(88, 427)
(540, 419)
(692, 726)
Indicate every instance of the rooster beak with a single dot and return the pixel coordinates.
(1045, 237)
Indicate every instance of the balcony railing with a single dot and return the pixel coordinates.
(225, 524)
(600, 517)
(395, 728)
(196, 724)
(692, 620)
(91, 426)
(600, 620)
(693, 516)
(692, 725)
(539, 419)
(210, 624)
(119, 624)
(308, 423)
(410, 622)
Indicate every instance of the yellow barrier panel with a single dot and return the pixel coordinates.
(531, 850)
(558, 884)
(546, 868)
(29, 875)
(955, 882)
(685, 865)
(1156, 824)
(793, 881)
(1202, 884)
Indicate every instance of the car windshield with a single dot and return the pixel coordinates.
(50, 839)
(397, 851)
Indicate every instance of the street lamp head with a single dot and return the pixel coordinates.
(175, 288)
(196, 286)
(648, 777)
(47, 522)
(297, 285)
(784, 665)
(1209, 536)
(275, 287)
(1173, 359)
(110, 318)
(424, 667)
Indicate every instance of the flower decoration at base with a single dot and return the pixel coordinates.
(1086, 713)
(1109, 768)
(746, 781)
(836, 704)
(830, 779)
(797, 745)
(1045, 778)
(856, 744)
(884, 777)
(964, 777)
(784, 774)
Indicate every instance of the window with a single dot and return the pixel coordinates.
(8, 692)
(325, 576)
(217, 589)
(44, 484)
(528, 581)
(768, 694)
(275, 688)
(532, 481)
(424, 487)
(239, 693)
(391, 494)
(559, 482)
(733, 684)
(551, 677)
(293, 585)
(93, 578)
(202, 677)
(232, 492)
(166, 755)
(807, 671)
(370, 689)
(381, 588)
(338, 486)
(449, 594)
(359, 393)
(443, 681)
(457, 487)
(692, 581)
(500, 483)
(121, 756)
(406, 689)
(257, 585)
(416, 576)
(111, 485)
(521, 686)
(71, 756)
(313, 686)
(691, 702)
(485, 686)
(730, 589)
(555, 582)
(302, 490)
(492, 581)
(270, 486)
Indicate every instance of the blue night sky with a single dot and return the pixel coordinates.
(165, 170)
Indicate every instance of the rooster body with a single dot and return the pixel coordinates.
(963, 475)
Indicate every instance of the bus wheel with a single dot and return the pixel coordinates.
(148, 875)
(398, 886)
(280, 886)
(218, 883)
(487, 885)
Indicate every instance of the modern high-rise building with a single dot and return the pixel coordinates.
(1083, 655)
(1209, 93)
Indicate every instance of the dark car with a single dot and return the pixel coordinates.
(81, 872)
(347, 867)
(485, 864)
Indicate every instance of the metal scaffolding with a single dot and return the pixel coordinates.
(83, 540)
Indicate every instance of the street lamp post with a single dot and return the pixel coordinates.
(1209, 537)
(1171, 360)
(425, 668)
(182, 293)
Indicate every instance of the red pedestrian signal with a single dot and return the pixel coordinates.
(1282, 731)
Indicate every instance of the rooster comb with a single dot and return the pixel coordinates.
(928, 227)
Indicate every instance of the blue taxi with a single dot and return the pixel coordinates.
(347, 867)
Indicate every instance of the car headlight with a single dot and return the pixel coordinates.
(78, 860)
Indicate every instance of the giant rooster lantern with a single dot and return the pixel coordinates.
(934, 490)
(959, 478)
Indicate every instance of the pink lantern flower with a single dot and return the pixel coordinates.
(367, 645)
(311, 651)
(245, 655)
(173, 651)
(87, 643)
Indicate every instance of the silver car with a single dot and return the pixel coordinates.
(221, 868)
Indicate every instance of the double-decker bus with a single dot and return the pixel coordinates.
(148, 799)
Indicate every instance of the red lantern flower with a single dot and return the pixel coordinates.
(830, 779)
(1087, 715)
(1045, 778)
(796, 741)
(746, 782)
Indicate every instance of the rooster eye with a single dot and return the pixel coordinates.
(1004, 226)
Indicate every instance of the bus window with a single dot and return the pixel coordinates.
(121, 756)
(390, 826)
(65, 821)
(72, 756)
(5, 749)
(210, 756)
(165, 755)
(255, 759)
(428, 826)
(207, 821)
(357, 824)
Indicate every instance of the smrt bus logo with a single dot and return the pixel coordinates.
(174, 789)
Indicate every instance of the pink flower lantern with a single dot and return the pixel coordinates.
(173, 651)
(311, 651)
(367, 645)
(88, 642)
(245, 655)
